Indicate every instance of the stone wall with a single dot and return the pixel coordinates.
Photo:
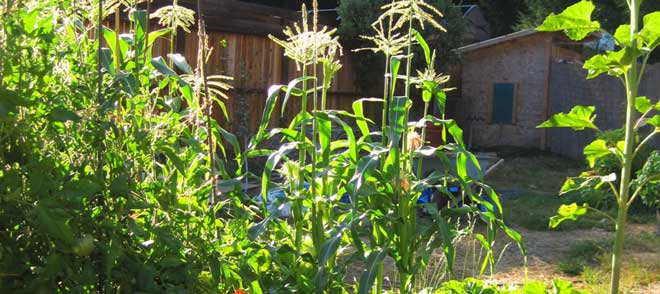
(521, 61)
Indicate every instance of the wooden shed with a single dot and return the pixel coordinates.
(504, 87)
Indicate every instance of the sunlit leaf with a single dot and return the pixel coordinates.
(139, 18)
(568, 212)
(622, 35)
(180, 62)
(186, 90)
(596, 150)
(358, 110)
(111, 39)
(643, 104)
(614, 63)
(575, 21)
(654, 121)
(441, 100)
(161, 66)
(424, 45)
(650, 33)
(154, 35)
(271, 100)
(564, 287)
(535, 287)
(579, 118)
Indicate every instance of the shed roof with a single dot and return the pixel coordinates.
(497, 40)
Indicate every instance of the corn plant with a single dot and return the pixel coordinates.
(115, 177)
(402, 180)
(636, 42)
(383, 179)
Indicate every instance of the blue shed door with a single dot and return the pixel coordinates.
(503, 103)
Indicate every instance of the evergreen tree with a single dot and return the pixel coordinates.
(502, 15)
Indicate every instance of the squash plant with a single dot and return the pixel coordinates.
(636, 42)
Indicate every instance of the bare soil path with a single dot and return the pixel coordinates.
(546, 250)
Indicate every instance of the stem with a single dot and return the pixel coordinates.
(406, 212)
(384, 141)
(637, 191)
(326, 187)
(317, 207)
(99, 151)
(601, 213)
(301, 159)
(646, 140)
(201, 34)
(408, 72)
(631, 93)
(117, 47)
(385, 102)
(420, 162)
(618, 250)
(641, 71)
(379, 278)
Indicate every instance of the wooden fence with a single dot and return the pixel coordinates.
(568, 88)
(253, 60)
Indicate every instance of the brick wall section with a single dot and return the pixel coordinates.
(521, 61)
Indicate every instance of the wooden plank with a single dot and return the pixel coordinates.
(256, 63)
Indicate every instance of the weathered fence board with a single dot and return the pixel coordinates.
(252, 59)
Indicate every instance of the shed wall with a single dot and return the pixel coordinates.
(523, 62)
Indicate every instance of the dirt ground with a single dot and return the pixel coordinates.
(545, 251)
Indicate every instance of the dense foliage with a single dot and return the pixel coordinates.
(634, 171)
(502, 15)
(611, 13)
(115, 178)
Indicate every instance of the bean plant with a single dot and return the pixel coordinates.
(117, 178)
(636, 42)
